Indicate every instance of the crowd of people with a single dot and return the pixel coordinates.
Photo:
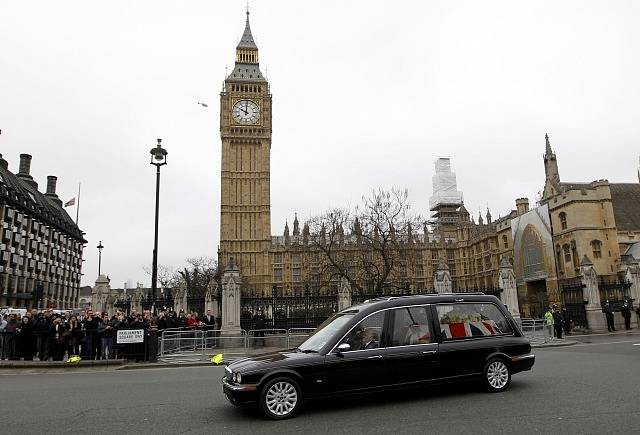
(46, 335)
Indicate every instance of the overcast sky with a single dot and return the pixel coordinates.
(365, 94)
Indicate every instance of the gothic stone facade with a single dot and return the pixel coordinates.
(584, 217)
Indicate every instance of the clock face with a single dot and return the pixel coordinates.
(246, 112)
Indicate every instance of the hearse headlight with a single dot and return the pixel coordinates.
(239, 380)
(234, 377)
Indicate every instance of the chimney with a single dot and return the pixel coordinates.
(25, 169)
(25, 166)
(522, 205)
(51, 185)
(4, 164)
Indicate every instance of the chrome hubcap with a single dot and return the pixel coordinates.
(497, 374)
(281, 398)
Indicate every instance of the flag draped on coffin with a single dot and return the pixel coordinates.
(470, 329)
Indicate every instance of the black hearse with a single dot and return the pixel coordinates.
(387, 342)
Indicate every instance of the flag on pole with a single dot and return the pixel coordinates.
(71, 202)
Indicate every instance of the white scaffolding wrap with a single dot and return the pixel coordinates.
(445, 189)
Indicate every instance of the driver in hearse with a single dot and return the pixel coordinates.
(370, 339)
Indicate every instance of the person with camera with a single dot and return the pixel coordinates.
(105, 332)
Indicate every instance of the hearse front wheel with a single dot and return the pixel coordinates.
(280, 398)
(497, 375)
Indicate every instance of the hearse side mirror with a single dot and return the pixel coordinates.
(344, 347)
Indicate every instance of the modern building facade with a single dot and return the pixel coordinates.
(40, 245)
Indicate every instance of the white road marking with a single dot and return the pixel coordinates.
(637, 344)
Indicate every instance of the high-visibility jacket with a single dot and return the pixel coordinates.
(548, 317)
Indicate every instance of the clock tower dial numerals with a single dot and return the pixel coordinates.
(246, 112)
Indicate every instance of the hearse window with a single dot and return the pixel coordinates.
(326, 331)
(366, 334)
(465, 320)
(410, 326)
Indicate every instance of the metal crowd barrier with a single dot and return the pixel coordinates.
(187, 345)
(536, 330)
(257, 338)
(296, 336)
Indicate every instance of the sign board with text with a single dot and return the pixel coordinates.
(130, 336)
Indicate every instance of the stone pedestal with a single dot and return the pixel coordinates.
(231, 293)
(507, 282)
(442, 278)
(633, 276)
(344, 295)
(591, 295)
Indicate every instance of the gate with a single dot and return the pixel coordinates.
(573, 300)
(615, 291)
(287, 312)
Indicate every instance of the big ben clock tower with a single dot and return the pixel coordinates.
(245, 130)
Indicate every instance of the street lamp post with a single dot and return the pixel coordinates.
(99, 256)
(158, 159)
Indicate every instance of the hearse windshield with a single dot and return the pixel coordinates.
(325, 332)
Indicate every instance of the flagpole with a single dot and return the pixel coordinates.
(78, 205)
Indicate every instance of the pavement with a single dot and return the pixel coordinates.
(586, 388)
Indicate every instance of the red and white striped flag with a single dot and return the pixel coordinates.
(71, 202)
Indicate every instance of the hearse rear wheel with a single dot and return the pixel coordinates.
(496, 375)
(280, 398)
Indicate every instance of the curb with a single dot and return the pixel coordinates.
(166, 365)
(60, 364)
(554, 344)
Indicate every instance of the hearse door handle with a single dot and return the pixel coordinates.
(429, 352)
(375, 357)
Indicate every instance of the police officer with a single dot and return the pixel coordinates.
(626, 314)
(608, 313)
(557, 321)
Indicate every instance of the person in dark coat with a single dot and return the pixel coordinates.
(566, 321)
(58, 342)
(10, 331)
(209, 321)
(105, 331)
(557, 322)
(90, 327)
(41, 328)
(259, 323)
(74, 336)
(608, 313)
(25, 340)
(626, 314)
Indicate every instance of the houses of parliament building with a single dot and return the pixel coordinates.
(544, 243)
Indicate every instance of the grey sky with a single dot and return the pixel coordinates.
(365, 94)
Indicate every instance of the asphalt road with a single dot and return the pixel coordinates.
(591, 387)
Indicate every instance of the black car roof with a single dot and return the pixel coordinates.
(375, 304)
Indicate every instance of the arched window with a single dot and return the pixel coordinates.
(567, 253)
(505, 241)
(596, 246)
(532, 251)
(563, 220)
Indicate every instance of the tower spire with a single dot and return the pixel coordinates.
(247, 38)
(548, 154)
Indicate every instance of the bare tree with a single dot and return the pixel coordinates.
(372, 247)
(167, 277)
(198, 274)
